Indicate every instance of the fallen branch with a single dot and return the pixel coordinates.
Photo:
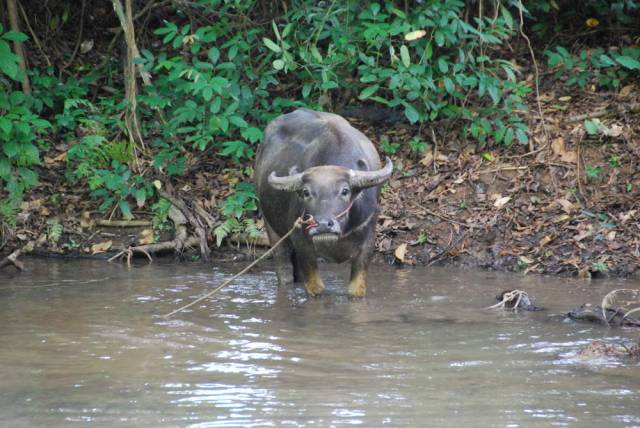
(123, 223)
(245, 239)
(12, 259)
(179, 241)
(615, 108)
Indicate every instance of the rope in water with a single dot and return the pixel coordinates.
(296, 225)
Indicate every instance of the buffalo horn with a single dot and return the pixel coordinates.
(364, 179)
(289, 183)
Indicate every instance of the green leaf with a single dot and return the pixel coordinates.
(141, 197)
(252, 134)
(238, 121)
(591, 126)
(10, 148)
(411, 113)
(448, 85)
(6, 125)
(368, 91)
(125, 209)
(214, 55)
(439, 38)
(278, 64)
(522, 137)
(443, 66)
(29, 177)
(5, 168)
(404, 56)
(628, 62)
(8, 64)
(271, 45)
(15, 36)
(508, 136)
(306, 90)
(606, 60)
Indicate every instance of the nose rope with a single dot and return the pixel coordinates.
(310, 222)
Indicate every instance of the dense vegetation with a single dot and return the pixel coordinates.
(211, 73)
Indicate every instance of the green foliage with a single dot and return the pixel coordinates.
(160, 213)
(117, 186)
(417, 145)
(9, 62)
(239, 203)
(428, 78)
(20, 132)
(388, 147)
(594, 126)
(607, 69)
(593, 171)
(614, 161)
(55, 231)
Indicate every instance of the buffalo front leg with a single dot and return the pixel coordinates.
(357, 282)
(282, 256)
(309, 270)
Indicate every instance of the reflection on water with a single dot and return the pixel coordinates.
(84, 342)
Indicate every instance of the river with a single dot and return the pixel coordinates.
(85, 342)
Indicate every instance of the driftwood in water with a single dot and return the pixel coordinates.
(595, 314)
(12, 260)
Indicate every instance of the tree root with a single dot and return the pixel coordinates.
(12, 259)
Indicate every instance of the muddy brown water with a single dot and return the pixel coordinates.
(83, 342)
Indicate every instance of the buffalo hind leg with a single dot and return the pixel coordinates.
(283, 257)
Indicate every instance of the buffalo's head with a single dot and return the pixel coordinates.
(328, 192)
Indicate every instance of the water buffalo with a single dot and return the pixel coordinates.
(317, 165)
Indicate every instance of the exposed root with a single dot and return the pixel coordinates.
(181, 216)
(12, 260)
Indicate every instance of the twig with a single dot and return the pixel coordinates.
(123, 223)
(298, 223)
(78, 40)
(449, 247)
(503, 168)
(435, 151)
(536, 77)
(34, 37)
(443, 217)
(578, 171)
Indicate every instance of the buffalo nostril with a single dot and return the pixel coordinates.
(330, 223)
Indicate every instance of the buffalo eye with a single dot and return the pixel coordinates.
(345, 191)
(306, 193)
